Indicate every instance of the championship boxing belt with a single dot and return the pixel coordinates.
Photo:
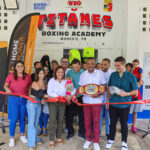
(91, 89)
(69, 86)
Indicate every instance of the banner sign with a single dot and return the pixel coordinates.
(146, 79)
(21, 46)
(73, 21)
(3, 71)
(108, 5)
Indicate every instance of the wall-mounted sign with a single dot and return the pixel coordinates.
(74, 4)
(78, 22)
(47, 25)
(41, 5)
(95, 20)
(108, 5)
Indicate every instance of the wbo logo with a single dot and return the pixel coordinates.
(74, 4)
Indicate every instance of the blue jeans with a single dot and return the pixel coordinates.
(34, 111)
(43, 120)
(106, 112)
(16, 111)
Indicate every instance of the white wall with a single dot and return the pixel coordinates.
(12, 18)
(110, 46)
(131, 50)
(124, 39)
(144, 36)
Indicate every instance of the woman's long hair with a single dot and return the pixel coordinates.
(45, 61)
(37, 71)
(15, 71)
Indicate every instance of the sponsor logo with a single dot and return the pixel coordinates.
(74, 4)
(108, 5)
(42, 5)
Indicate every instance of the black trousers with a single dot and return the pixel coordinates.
(122, 114)
(71, 111)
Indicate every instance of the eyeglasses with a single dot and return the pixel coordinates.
(64, 62)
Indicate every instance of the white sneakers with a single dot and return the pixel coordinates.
(109, 144)
(87, 144)
(124, 146)
(23, 139)
(11, 142)
(96, 146)
(31, 148)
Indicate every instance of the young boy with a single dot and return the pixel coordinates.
(137, 71)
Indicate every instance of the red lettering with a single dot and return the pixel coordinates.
(51, 20)
(42, 18)
(62, 18)
(70, 3)
(74, 3)
(107, 22)
(96, 21)
(85, 19)
(73, 20)
(79, 3)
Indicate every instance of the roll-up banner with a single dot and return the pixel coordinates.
(21, 46)
(3, 71)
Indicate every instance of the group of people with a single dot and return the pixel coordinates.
(49, 82)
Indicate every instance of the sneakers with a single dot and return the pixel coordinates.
(11, 142)
(133, 129)
(109, 144)
(69, 136)
(87, 144)
(124, 146)
(31, 148)
(82, 136)
(23, 139)
(96, 146)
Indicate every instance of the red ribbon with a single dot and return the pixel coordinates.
(120, 103)
(65, 100)
(55, 99)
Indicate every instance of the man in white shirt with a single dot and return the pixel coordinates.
(92, 112)
(107, 71)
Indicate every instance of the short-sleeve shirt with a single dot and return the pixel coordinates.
(96, 77)
(107, 76)
(19, 86)
(137, 71)
(75, 77)
(127, 83)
